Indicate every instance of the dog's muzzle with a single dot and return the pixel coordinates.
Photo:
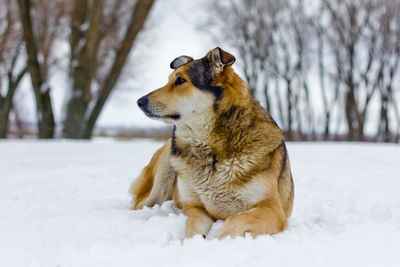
(153, 112)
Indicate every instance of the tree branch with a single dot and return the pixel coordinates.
(139, 15)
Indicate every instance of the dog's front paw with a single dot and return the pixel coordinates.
(223, 233)
(214, 235)
(191, 235)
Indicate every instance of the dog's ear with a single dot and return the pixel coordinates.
(220, 58)
(179, 61)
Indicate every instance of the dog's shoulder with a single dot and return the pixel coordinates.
(244, 129)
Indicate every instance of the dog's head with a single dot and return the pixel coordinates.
(192, 89)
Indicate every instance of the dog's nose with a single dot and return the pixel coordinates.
(142, 101)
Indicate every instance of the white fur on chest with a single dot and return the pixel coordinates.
(215, 187)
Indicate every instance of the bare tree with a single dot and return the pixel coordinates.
(102, 33)
(248, 25)
(364, 43)
(100, 43)
(387, 50)
(348, 20)
(39, 36)
(271, 38)
(11, 69)
(355, 44)
(319, 27)
(290, 64)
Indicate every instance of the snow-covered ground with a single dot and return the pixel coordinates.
(65, 203)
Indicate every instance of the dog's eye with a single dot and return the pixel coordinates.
(179, 81)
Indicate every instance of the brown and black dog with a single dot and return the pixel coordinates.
(227, 157)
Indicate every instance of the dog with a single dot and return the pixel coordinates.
(226, 159)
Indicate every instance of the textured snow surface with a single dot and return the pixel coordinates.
(65, 203)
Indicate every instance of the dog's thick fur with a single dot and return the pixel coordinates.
(227, 157)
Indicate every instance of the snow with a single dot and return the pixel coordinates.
(65, 203)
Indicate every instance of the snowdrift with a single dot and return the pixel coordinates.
(66, 203)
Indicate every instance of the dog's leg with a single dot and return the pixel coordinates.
(141, 187)
(199, 221)
(155, 183)
(265, 217)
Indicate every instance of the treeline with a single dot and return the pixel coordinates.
(326, 68)
(100, 35)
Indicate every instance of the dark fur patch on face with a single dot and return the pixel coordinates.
(201, 75)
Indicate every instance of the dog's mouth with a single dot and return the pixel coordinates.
(157, 115)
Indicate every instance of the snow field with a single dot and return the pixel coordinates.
(66, 203)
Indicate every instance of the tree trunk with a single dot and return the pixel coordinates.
(279, 103)
(267, 100)
(266, 82)
(321, 72)
(349, 110)
(3, 124)
(18, 123)
(5, 108)
(383, 132)
(82, 63)
(42, 92)
(310, 111)
(6, 102)
(138, 18)
(289, 109)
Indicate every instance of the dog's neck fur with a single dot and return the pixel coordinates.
(229, 115)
